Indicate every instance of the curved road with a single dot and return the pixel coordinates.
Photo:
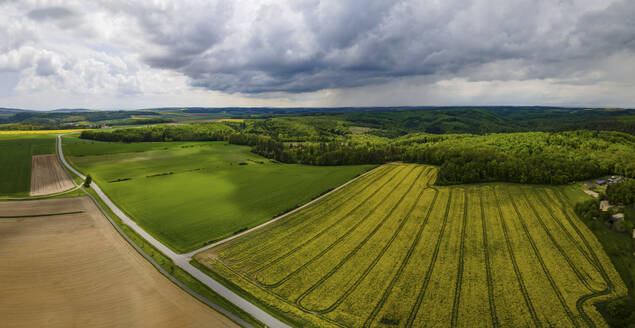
(182, 260)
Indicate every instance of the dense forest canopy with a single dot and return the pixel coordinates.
(382, 121)
(622, 192)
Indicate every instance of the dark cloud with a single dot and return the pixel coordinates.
(299, 46)
(341, 44)
(51, 13)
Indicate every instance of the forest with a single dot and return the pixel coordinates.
(524, 157)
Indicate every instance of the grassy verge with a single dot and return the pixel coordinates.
(174, 270)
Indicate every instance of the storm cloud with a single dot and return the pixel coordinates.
(313, 45)
(328, 49)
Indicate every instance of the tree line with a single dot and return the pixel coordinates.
(532, 157)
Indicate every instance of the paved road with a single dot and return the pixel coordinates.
(182, 260)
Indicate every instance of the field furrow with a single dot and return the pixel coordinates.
(400, 298)
(335, 217)
(275, 250)
(511, 311)
(294, 227)
(437, 301)
(488, 264)
(355, 309)
(475, 285)
(558, 312)
(581, 267)
(395, 252)
(312, 258)
(347, 274)
(422, 290)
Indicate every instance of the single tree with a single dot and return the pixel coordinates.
(88, 180)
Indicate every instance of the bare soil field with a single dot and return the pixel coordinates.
(75, 270)
(48, 176)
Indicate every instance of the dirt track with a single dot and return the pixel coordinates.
(48, 176)
(76, 271)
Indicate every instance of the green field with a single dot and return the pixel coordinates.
(15, 161)
(188, 194)
(390, 250)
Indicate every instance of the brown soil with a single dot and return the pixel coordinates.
(75, 270)
(48, 176)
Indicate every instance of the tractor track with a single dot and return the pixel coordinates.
(459, 275)
(519, 277)
(324, 251)
(404, 263)
(433, 260)
(542, 262)
(281, 257)
(488, 267)
(379, 255)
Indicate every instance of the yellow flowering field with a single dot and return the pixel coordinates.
(39, 131)
(393, 250)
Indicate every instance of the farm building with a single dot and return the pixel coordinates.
(617, 217)
(600, 182)
(605, 205)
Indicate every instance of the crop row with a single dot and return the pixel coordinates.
(290, 268)
(386, 244)
(260, 243)
(350, 255)
(330, 215)
(514, 260)
(393, 251)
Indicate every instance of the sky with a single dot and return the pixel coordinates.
(122, 54)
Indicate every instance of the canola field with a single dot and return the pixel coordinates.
(392, 250)
(15, 132)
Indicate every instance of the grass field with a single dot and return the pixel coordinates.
(65, 266)
(15, 161)
(188, 194)
(390, 250)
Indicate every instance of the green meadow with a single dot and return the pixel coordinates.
(189, 194)
(15, 161)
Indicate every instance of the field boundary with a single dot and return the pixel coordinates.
(212, 245)
(38, 215)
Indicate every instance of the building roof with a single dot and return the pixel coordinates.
(589, 184)
(617, 217)
(604, 205)
(600, 182)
